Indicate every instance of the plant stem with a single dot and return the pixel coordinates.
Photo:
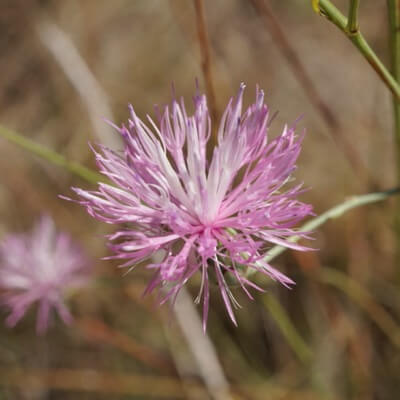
(315, 6)
(334, 212)
(328, 10)
(205, 52)
(50, 155)
(352, 22)
(394, 37)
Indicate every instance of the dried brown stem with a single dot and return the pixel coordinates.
(81, 77)
(205, 52)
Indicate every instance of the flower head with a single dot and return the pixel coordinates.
(40, 267)
(214, 216)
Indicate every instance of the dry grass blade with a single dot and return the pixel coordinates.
(83, 80)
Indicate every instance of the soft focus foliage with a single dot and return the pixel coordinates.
(335, 334)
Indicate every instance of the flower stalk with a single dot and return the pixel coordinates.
(352, 22)
(329, 11)
(333, 213)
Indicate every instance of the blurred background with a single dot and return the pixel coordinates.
(67, 64)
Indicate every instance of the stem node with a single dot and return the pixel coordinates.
(349, 25)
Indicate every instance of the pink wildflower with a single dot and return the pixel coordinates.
(219, 215)
(40, 267)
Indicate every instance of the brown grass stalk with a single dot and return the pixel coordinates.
(205, 53)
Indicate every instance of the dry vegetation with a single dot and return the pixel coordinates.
(337, 334)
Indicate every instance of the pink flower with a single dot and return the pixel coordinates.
(215, 216)
(40, 267)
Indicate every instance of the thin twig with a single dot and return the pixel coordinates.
(206, 68)
(77, 71)
(328, 10)
(273, 26)
(352, 22)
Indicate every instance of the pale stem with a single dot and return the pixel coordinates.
(201, 347)
(50, 155)
(333, 213)
(83, 80)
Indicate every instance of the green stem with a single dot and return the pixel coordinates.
(50, 155)
(352, 23)
(334, 212)
(328, 10)
(394, 35)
